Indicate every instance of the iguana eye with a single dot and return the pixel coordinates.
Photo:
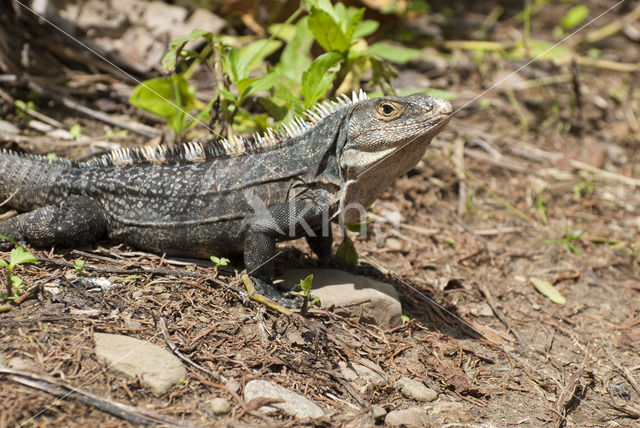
(387, 109)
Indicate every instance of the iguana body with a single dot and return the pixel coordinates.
(231, 196)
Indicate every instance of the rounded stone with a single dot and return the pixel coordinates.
(220, 406)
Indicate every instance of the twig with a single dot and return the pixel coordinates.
(64, 390)
(605, 175)
(31, 112)
(74, 105)
(163, 327)
(230, 287)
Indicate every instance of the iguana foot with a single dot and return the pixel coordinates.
(267, 289)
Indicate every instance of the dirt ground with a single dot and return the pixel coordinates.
(540, 181)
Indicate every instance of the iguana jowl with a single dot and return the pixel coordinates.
(200, 199)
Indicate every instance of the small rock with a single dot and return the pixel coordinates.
(159, 17)
(415, 390)
(413, 417)
(292, 403)
(378, 412)
(450, 411)
(362, 376)
(202, 19)
(220, 406)
(394, 244)
(8, 128)
(375, 302)
(157, 368)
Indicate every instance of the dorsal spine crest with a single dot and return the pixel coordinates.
(194, 151)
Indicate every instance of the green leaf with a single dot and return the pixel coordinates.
(260, 84)
(316, 80)
(327, 32)
(169, 59)
(548, 290)
(365, 28)
(4, 263)
(296, 55)
(19, 255)
(305, 284)
(394, 53)
(574, 17)
(347, 252)
(353, 24)
(252, 55)
(75, 131)
(219, 261)
(170, 99)
(325, 6)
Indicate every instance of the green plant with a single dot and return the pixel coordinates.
(222, 261)
(347, 252)
(305, 285)
(77, 267)
(219, 261)
(76, 130)
(568, 239)
(17, 257)
(584, 188)
(296, 81)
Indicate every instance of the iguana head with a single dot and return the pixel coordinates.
(386, 138)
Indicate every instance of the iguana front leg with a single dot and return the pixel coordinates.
(279, 222)
(76, 221)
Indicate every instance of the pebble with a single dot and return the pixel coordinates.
(415, 390)
(414, 417)
(220, 406)
(157, 368)
(292, 403)
(374, 302)
(362, 376)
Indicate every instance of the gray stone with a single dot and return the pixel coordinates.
(202, 19)
(413, 417)
(157, 368)
(220, 406)
(378, 412)
(415, 390)
(8, 128)
(362, 376)
(373, 301)
(160, 17)
(292, 404)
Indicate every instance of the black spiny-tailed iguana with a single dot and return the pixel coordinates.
(231, 196)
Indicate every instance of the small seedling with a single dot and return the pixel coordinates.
(17, 257)
(76, 131)
(568, 239)
(405, 319)
(219, 261)
(77, 267)
(305, 285)
(222, 261)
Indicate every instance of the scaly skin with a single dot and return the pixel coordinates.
(195, 203)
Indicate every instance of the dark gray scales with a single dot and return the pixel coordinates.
(236, 195)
